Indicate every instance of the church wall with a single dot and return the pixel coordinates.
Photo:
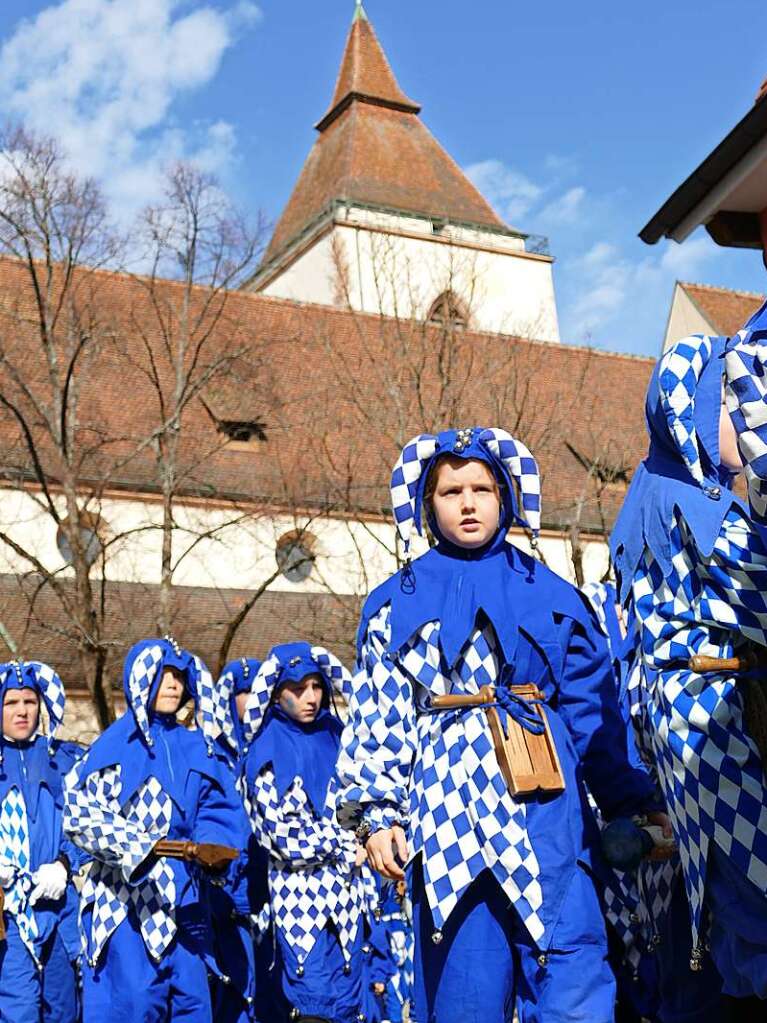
(394, 274)
(351, 556)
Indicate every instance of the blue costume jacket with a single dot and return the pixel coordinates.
(146, 778)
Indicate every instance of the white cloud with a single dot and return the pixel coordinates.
(612, 290)
(103, 75)
(509, 191)
(564, 209)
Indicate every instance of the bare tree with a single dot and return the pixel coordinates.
(55, 236)
(191, 344)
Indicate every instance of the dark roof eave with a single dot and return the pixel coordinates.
(750, 130)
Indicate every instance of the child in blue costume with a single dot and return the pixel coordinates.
(504, 911)
(395, 916)
(38, 978)
(692, 565)
(318, 894)
(145, 919)
(238, 914)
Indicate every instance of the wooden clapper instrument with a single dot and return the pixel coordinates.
(529, 762)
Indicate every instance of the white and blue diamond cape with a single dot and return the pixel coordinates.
(636, 903)
(31, 801)
(693, 568)
(450, 622)
(292, 795)
(144, 779)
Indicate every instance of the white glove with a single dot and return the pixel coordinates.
(7, 875)
(50, 882)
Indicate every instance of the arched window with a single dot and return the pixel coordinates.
(448, 310)
(295, 555)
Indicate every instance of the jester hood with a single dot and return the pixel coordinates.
(451, 584)
(131, 741)
(682, 471)
(294, 749)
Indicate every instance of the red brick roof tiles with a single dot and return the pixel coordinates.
(725, 310)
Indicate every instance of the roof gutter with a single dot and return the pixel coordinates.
(698, 198)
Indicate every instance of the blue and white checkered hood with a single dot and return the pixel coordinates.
(682, 468)
(509, 459)
(45, 681)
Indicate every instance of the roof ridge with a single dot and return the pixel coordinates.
(721, 288)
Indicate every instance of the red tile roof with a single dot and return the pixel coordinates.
(366, 74)
(337, 392)
(725, 310)
(373, 149)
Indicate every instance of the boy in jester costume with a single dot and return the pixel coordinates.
(240, 917)
(505, 912)
(38, 980)
(318, 895)
(145, 916)
(691, 563)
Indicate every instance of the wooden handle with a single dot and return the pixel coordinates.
(485, 695)
(701, 663)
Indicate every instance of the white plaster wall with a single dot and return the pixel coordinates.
(684, 319)
(352, 557)
(504, 292)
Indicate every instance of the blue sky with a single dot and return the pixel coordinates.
(576, 120)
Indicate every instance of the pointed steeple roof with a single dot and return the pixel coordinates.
(365, 74)
(373, 149)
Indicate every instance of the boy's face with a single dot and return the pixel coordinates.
(466, 502)
(21, 708)
(170, 692)
(302, 700)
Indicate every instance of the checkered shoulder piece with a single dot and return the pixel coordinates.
(746, 391)
(437, 774)
(312, 876)
(120, 835)
(708, 764)
(680, 369)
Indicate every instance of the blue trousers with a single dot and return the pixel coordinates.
(127, 986)
(322, 986)
(738, 934)
(235, 1002)
(486, 962)
(29, 995)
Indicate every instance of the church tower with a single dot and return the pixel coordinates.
(383, 221)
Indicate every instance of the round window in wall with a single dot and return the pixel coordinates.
(92, 532)
(295, 555)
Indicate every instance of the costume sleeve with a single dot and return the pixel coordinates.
(288, 828)
(379, 741)
(221, 819)
(746, 392)
(93, 821)
(735, 581)
(589, 707)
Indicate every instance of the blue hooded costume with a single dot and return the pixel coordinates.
(450, 622)
(692, 565)
(240, 917)
(37, 960)
(317, 893)
(145, 919)
(649, 934)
